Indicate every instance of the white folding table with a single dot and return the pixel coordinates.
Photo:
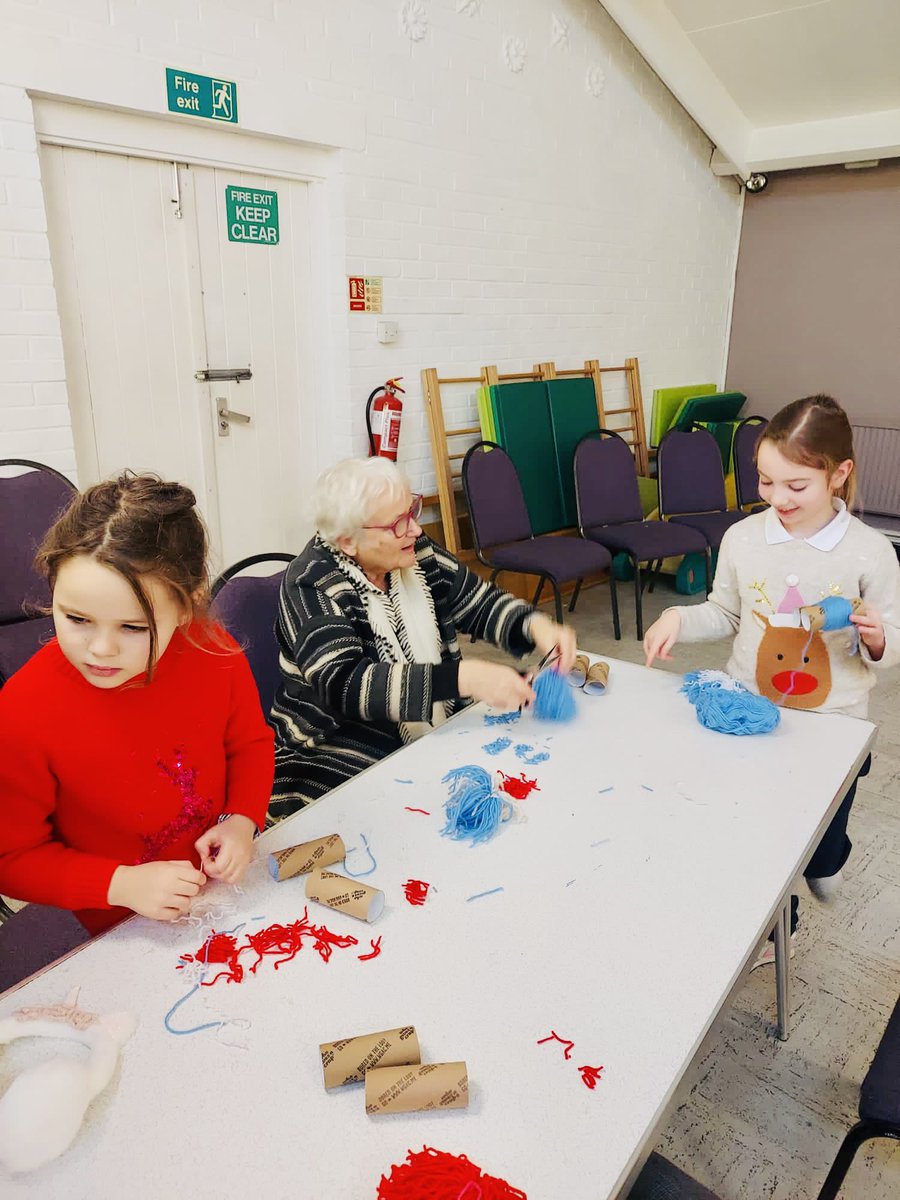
(637, 885)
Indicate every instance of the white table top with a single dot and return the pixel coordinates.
(626, 917)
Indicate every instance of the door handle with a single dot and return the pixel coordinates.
(226, 415)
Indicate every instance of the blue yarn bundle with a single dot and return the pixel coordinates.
(726, 706)
(473, 809)
(553, 697)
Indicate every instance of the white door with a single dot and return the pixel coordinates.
(151, 293)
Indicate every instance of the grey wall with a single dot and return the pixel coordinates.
(817, 296)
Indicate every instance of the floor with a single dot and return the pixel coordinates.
(762, 1118)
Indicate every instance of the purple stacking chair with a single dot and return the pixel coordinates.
(746, 476)
(879, 1106)
(30, 501)
(692, 486)
(33, 938)
(610, 512)
(503, 538)
(248, 608)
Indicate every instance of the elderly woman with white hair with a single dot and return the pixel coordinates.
(367, 632)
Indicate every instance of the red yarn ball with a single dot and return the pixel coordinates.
(436, 1175)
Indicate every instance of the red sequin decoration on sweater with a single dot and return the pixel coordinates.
(195, 817)
(283, 941)
(431, 1174)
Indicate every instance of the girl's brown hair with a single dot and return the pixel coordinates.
(138, 525)
(815, 432)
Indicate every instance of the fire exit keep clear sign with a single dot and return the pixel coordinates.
(252, 215)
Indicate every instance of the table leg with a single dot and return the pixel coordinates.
(783, 970)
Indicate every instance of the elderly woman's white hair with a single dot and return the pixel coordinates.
(347, 494)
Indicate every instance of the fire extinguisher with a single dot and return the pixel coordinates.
(384, 431)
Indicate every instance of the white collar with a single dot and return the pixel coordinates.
(827, 537)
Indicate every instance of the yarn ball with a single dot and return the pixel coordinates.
(473, 809)
(436, 1175)
(724, 705)
(553, 697)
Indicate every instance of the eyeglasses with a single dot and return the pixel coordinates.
(400, 527)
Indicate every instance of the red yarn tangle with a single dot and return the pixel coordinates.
(375, 943)
(519, 789)
(282, 942)
(436, 1175)
(590, 1076)
(416, 891)
(554, 1037)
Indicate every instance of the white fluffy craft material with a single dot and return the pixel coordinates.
(43, 1108)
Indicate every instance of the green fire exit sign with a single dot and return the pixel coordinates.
(252, 215)
(202, 96)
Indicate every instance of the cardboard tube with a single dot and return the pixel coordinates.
(347, 895)
(300, 860)
(813, 617)
(578, 674)
(597, 678)
(348, 1060)
(417, 1088)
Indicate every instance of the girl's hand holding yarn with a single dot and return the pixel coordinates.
(495, 684)
(548, 636)
(162, 891)
(662, 636)
(871, 631)
(226, 849)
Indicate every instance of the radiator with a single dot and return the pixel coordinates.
(878, 461)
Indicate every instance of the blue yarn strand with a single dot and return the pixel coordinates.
(726, 706)
(553, 697)
(473, 809)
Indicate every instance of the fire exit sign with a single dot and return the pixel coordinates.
(202, 96)
(252, 215)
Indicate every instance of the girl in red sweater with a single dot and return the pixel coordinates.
(135, 762)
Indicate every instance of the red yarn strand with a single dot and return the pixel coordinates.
(416, 891)
(281, 942)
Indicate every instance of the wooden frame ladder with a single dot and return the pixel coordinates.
(445, 455)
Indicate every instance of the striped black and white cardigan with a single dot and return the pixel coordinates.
(338, 707)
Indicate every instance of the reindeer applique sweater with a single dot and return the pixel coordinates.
(764, 576)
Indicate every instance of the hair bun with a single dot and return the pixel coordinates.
(167, 499)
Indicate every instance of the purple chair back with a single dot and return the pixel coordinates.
(29, 504)
(248, 607)
(495, 498)
(743, 449)
(33, 938)
(19, 640)
(606, 487)
(689, 466)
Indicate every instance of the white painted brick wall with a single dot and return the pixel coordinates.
(34, 414)
(514, 217)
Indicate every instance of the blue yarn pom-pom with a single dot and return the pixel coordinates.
(553, 698)
(473, 809)
(724, 705)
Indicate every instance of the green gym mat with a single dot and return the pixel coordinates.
(573, 414)
(525, 431)
(667, 402)
(486, 415)
(719, 406)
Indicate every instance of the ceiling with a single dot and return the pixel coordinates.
(777, 84)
